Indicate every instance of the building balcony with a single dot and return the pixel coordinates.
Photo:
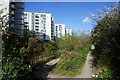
(36, 16)
(36, 24)
(37, 30)
(37, 27)
(36, 19)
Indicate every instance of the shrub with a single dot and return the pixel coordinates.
(15, 62)
(106, 73)
(105, 37)
(70, 62)
(74, 42)
(35, 47)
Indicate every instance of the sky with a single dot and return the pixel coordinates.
(75, 15)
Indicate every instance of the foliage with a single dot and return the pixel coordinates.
(105, 37)
(73, 42)
(106, 73)
(49, 48)
(71, 62)
(15, 63)
(14, 67)
(74, 50)
(39, 51)
(34, 47)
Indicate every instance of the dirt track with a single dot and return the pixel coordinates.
(86, 72)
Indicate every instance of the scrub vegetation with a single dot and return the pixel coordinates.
(74, 51)
(105, 37)
(20, 52)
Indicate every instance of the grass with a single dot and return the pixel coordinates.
(71, 62)
(106, 73)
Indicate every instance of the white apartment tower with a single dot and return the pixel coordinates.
(68, 31)
(60, 30)
(11, 14)
(41, 23)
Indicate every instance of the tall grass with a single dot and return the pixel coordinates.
(74, 42)
(75, 49)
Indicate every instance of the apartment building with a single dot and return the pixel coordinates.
(60, 30)
(41, 23)
(11, 14)
(68, 31)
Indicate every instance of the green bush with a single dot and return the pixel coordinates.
(35, 47)
(16, 67)
(15, 62)
(74, 42)
(106, 73)
(74, 50)
(49, 48)
(71, 62)
(105, 37)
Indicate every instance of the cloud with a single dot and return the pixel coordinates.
(86, 20)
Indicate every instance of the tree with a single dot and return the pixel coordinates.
(105, 37)
(74, 42)
(35, 47)
(15, 63)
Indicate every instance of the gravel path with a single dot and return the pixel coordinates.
(87, 70)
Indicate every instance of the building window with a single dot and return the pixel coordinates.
(44, 25)
(44, 28)
(43, 15)
(32, 24)
(12, 6)
(44, 36)
(12, 25)
(51, 33)
(25, 22)
(12, 12)
(32, 15)
(36, 19)
(37, 29)
(60, 28)
(41, 35)
(36, 23)
(25, 14)
(12, 19)
(43, 21)
(36, 15)
(36, 26)
(44, 18)
(25, 17)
